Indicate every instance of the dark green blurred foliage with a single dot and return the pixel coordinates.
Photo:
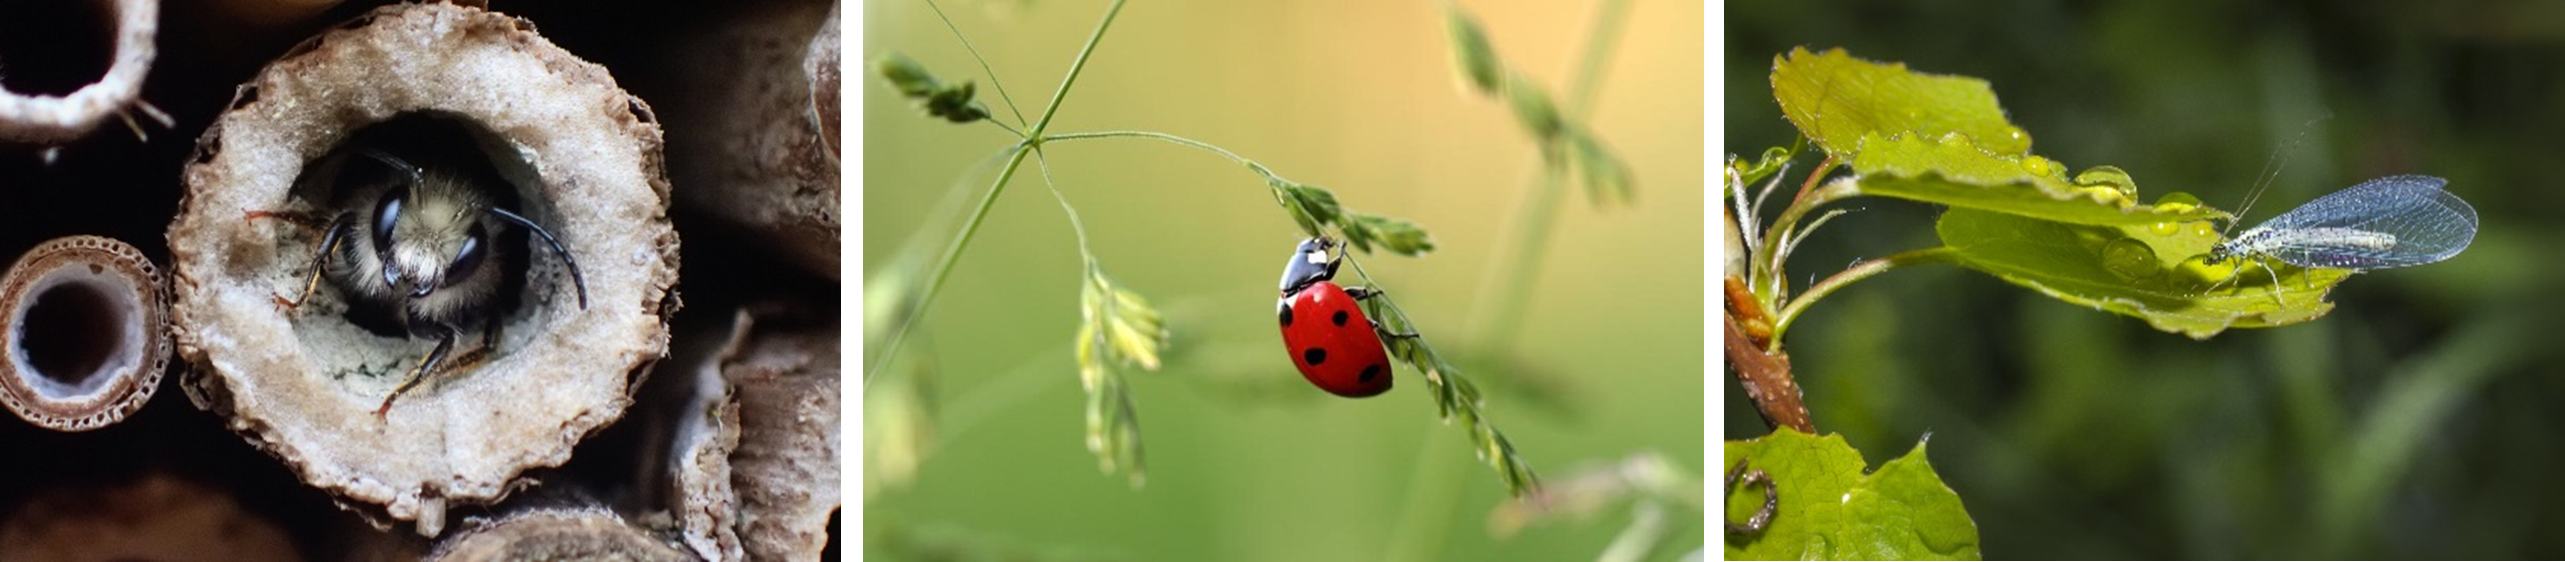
(2417, 420)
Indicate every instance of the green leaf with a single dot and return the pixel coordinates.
(1955, 171)
(1768, 164)
(1830, 511)
(1397, 236)
(1835, 99)
(1471, 50)
(1312, 206)
(1533, 108)
(906, 76)
(955, 104)
(1607, 180)
(949, 101)
(2155, 272)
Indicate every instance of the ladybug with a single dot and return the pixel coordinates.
(1330, 340)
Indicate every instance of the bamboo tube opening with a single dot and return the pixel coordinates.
(85, 331)
(72, 330)
(55, 48)
(65, 66)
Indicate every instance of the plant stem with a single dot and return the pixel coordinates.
(1766, 377)
(1076, 225)
(1599, 41)
(944, 264)
(1002, 125)
(1074, 69)
(1768, 257)
(1423, 524)
(1501, 297)
(1154, 135)
(984, 67)
(1501, 294)
(1859, 271)
(1432, 496)
(1824, 165)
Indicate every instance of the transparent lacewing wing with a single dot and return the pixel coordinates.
(2394, 221)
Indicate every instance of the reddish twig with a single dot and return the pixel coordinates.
(1766, 376)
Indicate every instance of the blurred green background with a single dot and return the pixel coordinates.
(2418, 420)
(1246, 461)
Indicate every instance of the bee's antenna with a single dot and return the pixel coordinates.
(404, 166)
(575, 279)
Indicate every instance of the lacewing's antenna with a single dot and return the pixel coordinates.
(2271, 170)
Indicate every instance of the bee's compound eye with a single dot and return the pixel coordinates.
(387, 212)
(468, 259)
(391, 276)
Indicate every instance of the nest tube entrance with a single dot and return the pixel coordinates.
(66, 65)
(84, 326)
(303, 382)
(439, 241)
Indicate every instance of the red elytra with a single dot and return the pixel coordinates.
(1329, 339)
(1332, 343)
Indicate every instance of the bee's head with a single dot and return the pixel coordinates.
(428, 237)
(433, 231)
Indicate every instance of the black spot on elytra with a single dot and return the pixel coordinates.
(1286, 315)
(1313, 356)
(1370, 372)
(1339, 318)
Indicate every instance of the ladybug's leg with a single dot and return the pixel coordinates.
(1360, 293)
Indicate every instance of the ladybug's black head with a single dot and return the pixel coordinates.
(1309, 264)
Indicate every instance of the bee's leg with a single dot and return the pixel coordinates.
(320, 262)
(306, 221)
(473, 357)
(427, 365)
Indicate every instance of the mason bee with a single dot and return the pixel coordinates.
(422, 246)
